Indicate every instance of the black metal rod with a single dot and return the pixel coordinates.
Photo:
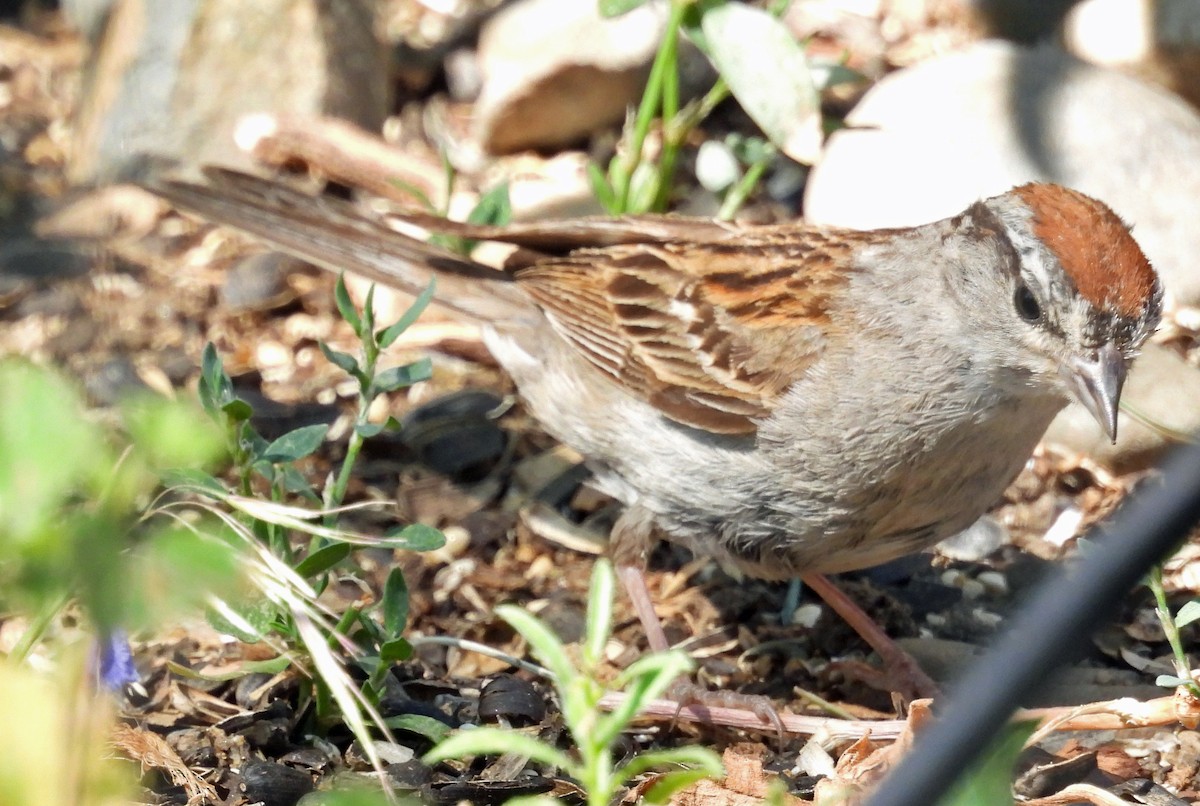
(1049, 631)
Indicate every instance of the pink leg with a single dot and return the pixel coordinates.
(634, 581)
(629, 545)
(896, 660)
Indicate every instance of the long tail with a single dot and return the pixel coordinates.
(330, 233)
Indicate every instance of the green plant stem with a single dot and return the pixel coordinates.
(738, 194)
(1183, 668)
(1173, 434)
(673, 136)
(241, 459)
(598, 773)
(36, 629)
(665, 68)
(344, 623)
(695, 112)
(337, 493)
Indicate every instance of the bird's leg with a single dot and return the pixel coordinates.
(629, 545)
(634, 581)
(632, 537)
(900, 666)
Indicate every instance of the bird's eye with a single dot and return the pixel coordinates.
(1027, 304)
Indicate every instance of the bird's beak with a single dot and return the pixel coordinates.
(1096, 383)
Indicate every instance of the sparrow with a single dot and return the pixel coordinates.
(788, 399)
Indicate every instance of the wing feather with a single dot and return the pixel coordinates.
(687, 328)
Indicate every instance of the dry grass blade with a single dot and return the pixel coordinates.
(152, 751)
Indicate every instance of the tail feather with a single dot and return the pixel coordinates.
(331, 233)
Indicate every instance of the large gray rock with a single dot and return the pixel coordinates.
(173, 78)
(928, 140)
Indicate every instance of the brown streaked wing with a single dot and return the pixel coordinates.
(689, 328)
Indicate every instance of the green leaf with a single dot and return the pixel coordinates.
(194, 481)
(296, 444)
(1171, 681)
(988, 782)
(252, 441)
(417, 193)
(395, 651)
(356, 797)
(368, 430)
(615, 8)
(322, 560)
(406, 320)
(643, 188)
(259, 617)
(667, 785)
(545, 644)
(176, 571)
(415, 537)
(690, 23)
(707, 763)
(533, 800)
(238, 410)
(294, 482)
(432, 729)
(643, 680)
(655, 672)
(345, 307)
(368, 314)
(832, 74)
(402, 376)
(495, 742)
(343, 361)
(599, 612)
(1188, 613)
(602, 189)
(448, 174)
(270, 666)
(770, 80)
(170, 433)
(105, 587)
(47, 451)
(215, 387)
(494, 208)
(395, 603)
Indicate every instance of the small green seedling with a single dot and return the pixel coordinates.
(593, 731)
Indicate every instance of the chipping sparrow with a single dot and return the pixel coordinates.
(788, 399)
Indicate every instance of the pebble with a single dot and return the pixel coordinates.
(995, 583)
(807, 615)
(258, 282)
(975, 542)
(458, 540)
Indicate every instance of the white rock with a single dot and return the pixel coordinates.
(928, 140)
(975, 542)
(994, 582)
(1110, 31)
(555, 71)
(1129, 31)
